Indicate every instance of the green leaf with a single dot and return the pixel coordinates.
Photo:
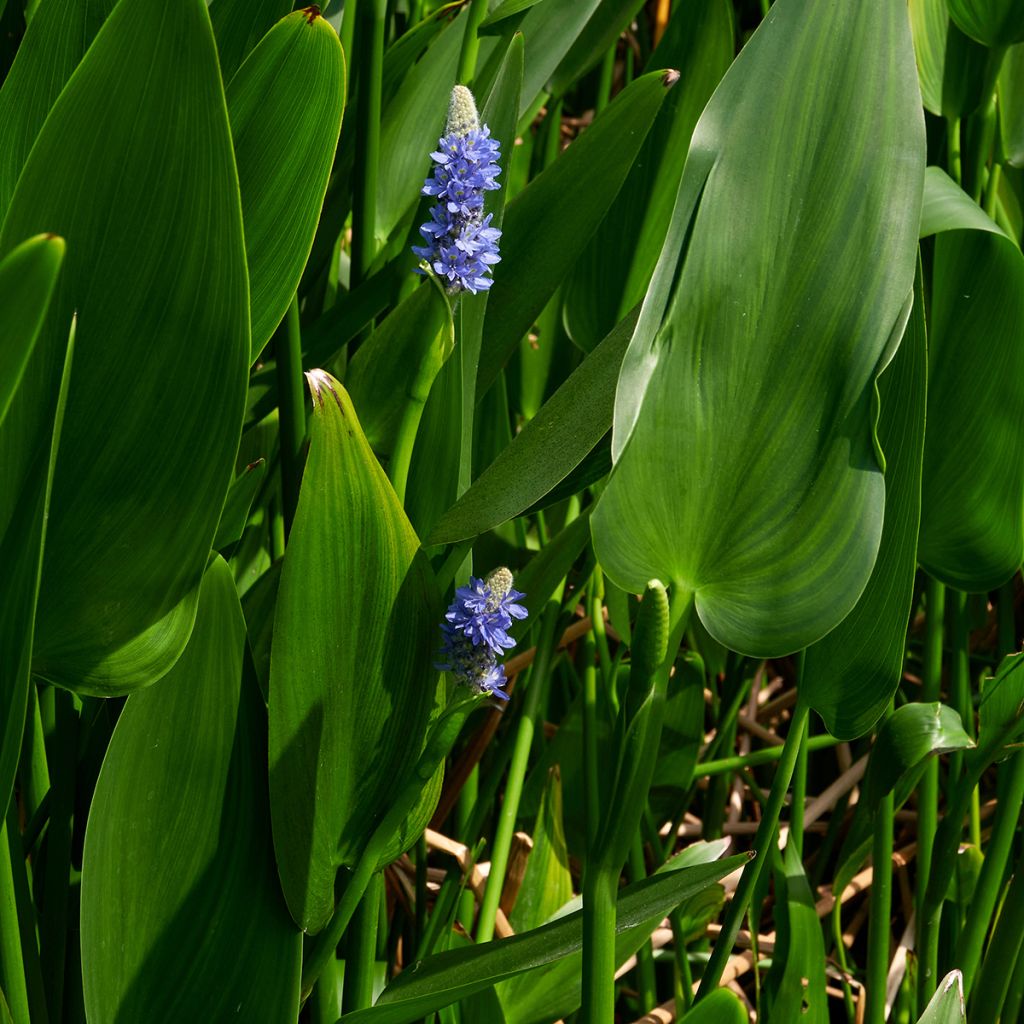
(547, 449)
(390, 369)
(182, 915)
(239, 25)
(134, 168)
(544, 234)
(795, 986)
(602, 30)
(237, 504)
(956, 73)
(1001, 710)
(446, 977)
(720, 1007)
(352, 681)
(54, 43)
(285, 105)
(745, 468)
(910, 735)
(1011, 106)
(850, 675)
(992, 22)
(27, 279)
(611, 275)
(947, 1005)
(972, 501)
(556, 990)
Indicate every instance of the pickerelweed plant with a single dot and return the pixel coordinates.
(739, 405)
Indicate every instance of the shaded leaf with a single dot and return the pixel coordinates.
(992, 22)
(719, 1007)
(182, 915)
(239, 25)
(237, 504)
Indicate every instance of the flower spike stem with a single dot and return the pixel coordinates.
(361, 952)
(765, 829)
(471, 42)
(526, 727)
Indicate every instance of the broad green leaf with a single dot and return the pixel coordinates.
(413, 122)
(27, 279)
(992, 22)
(972, 500)
(182, 915)
(956, 73)
(795, 986)
(614, 269)
(947, 1005)
(720, 1007)
(54, 43)
(544, 234)
(1011, 106)
(556, 990)
(285, 105)
(907, 737)
(602, 30)
(745, 468)
(446, 977)
(506, 9)
(547, 449)
(850, 675)
(237, 504)
(133, 167)
(402, 357)
(352, 681)
(239, 25)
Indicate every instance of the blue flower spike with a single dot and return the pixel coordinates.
(475, 631)
(461, 244)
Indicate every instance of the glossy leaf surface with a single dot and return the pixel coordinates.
(351, 672)
(182, 914)
(134, 167)
(743, 438)
(285, 105)
(972, 521)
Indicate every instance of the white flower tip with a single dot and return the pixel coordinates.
(462, 113)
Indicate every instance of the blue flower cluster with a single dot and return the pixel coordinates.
(476, 628)
(461, 244)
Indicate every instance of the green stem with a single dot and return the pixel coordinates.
(34, 773)
(361, 948)
(12, 969)
(347, 34)
(596, 610)
(931, 690)
(591, 752)
(796, 824)
(371, 16)
(463, 812)
(324, 1004)
(1007, 637)
(471, 42)
(760, 757)
(994, 976)
(53, 926)
(292, 421)
(738, 905)
(599, 890)
(953, 148)
(604, 87)
(880, 912)
(409, 425)
(646, 980)
(992, 189)
(993, 870)
(536, 693)
(960, 693)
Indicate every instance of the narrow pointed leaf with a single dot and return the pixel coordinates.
(947, 1005)
(237, 504)
(972, 501)
(182, 914)
(134, 168)
(446, 977)
(285, 106)
(745, 466)
(544, 234)
(850, 675)
(352, 680)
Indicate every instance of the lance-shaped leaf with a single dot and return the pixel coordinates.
(850, 675)
(27, 279)
(743, 436)
(134, 168)
(352, 681)
(285, 105)
(56, 40)
(972, 499)
(947, 1005)
(182, 915)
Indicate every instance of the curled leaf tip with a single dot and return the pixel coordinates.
(312, 12)
(320, 381)
(669, 78)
